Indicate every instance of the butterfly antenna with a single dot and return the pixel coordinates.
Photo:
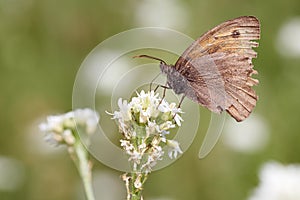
(151, 57)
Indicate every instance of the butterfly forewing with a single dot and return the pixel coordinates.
(218, 67)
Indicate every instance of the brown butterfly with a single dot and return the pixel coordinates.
(215, 71)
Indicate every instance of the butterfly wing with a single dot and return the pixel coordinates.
(218, 67)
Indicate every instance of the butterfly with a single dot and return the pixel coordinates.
(215, 70)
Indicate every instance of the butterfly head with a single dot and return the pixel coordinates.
(166, 69)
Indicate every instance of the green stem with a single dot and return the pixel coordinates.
(136, 193)
(83, 165)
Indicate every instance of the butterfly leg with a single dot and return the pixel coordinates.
(181, 100)
(165, 87)
(153, 81)
(156, 88)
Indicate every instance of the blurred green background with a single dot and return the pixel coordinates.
(43, 43)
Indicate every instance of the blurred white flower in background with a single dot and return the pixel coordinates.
(88, 118)
(12, 174)
(66, 129)
(35, 141)
(288, 39)
(60, 129)
(166, 13)
(248, 136)
(278, 182)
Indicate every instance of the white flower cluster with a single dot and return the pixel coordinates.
(60, 129)
(278, 182)
(145, 122)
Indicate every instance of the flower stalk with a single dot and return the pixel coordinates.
(84, 166)
(64, 130)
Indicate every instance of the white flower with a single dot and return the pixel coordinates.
(60, 129)
(124, 110)
(69, 122)
(145, 104)
(144, 123)
(165, 107)
(174, 111)
(68, 137)
(166, 126)
(152, 128)
(278, 182)
(135, 156)
(137, 183)
(53, 138)
(178, 119)
(127, 145)
(174, 148)
(54, 123)
(155, 155)
(143, 116)
(88, 118)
